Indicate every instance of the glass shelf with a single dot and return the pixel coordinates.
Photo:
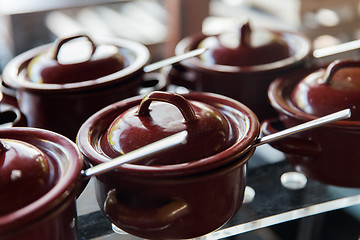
(270, 201)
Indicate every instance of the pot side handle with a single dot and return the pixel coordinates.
(292, 144)
(143, 219)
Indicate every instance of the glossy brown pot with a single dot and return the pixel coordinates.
(329, 153)
(165, 200)
(243, 73)
(38, 193)
(62, 107)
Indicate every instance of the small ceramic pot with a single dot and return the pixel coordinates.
(59, 94)
(40, 172)
(329, 153)
(166, 196)
(241, 67)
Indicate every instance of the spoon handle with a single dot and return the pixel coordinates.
(340, 48)
(172, 60)
(340, 115)
(138, 154)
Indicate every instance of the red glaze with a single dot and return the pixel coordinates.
(326, 91)
(63, 107)
(244, 52)
(168, 201)
(209, 131)
(24, 175)
(247, 84)
(328, 154)
(39, 182)
(47, 68)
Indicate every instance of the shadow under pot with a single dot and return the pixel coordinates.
(240, 63)
(60, 85)
(168, 195)
(330, 153)
(39, 172)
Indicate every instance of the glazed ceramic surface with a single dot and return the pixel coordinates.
(168, 199)
(40, 172)
(329, 153)
(246, 79)
(332, 89)
(64, 106)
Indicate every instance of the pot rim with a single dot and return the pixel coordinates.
(88, 135)
(296, 40)
(65, 188)
(279, 96)
(14, 76)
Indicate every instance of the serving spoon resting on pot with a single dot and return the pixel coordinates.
(172, 60)
(180, 138)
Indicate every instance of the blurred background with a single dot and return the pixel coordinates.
(160, 24)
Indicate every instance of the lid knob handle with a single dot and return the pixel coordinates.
(179, 101)
(337, 65)
(245, 34)
(60, 42)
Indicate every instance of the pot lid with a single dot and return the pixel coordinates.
(209, 131)
(75, 59)
(328, 90)
(245, 47)
(24, 175)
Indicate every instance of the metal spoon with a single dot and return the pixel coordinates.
(340, 115)
(340, 48)
(138, 154)
(172, 60)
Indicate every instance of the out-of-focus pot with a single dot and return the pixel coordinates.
(167, 196)
(40, 173)
(329, 153)
(244, 71)
(63, 101)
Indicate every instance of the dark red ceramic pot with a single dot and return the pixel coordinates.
(59, 95)
(242, 69)
(167, 196)
(40, 176)
(329, 153)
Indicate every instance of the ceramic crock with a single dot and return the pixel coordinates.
(40, 173)
(59, 93)
(329, 153)
(241, 66)
(182, 193)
